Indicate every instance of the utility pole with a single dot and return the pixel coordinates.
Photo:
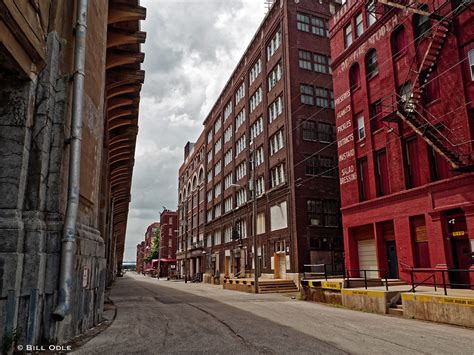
(254, 216)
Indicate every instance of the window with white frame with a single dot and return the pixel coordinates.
(240, 145)
(260, 186)
(209, 215)
(324, 97)
(259, 156)
(256, 99)
(256, 128)
(307, 94)
(370, 13)
(302, 22)
(218, 146)
(359, 25)
(228, 234)
(209, 136)
(227, 181)
(228, 134)
(209, 196)
(322, 63)
(360, 127)
(277, 175)
(209, 156)
(275, 109)
(217, 167)
(241, 197)
(275, 76)
(241, 170)
(347, 35)
(240, 119)
(319, 26)
(228, 110)
(274, 44)
(217, 190)
(217, 210)
(305, 59)
(209, 239)
(276, 142)
(217, 237)
(239, 95)
(217, 125)
(241, 227)
(255, 71)
(209, 176)
(228, 204)
(228, 157)
(471, 63)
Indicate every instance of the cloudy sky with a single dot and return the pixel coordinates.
(191, 49)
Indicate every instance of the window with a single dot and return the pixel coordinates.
(209, 156)
(275, 76)
(241, 228)
(240, 119)
(228, 204)
(439, 168)
(324, 97)
(363, 173)
(217, 168)
(276, 142)
(228, 157)
(256, 128)
(217, 237)
(260, 186)
(376, 121)
(371, 66)
(217, 210)
(314, 208)
(399, 42)
(255, 71)
(331, 213)
(381, 173)
(370, 13)
(209, 136)
(218, 146)
(241, 170)
(261, 223)
(209, 196)
(227, 181)
(304, 59)
(275, 109)
(209, 215)
(405, 93)
(326, 132)
(354, 76)
(217, 190)
(430, 84)
(320, 165)
(471, 63)
(217, 125)
(347, 35)
(302, 22)
(310, 132)
(209, 176)
(240, 145)
(307, 94)
(279, 217)
(277, 176)
(360, 127)
(319, 26)
(420, 238)
(241, 197)
(209, 239)
(228, 234)
(421, 24)
(256, 99)
(228, 110)
(239, 95)
(228, 134)
(412, 169)
(274, 44)
(359, 25)
(259, 156)
(322, 63)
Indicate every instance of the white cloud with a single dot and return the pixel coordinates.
(192, 48)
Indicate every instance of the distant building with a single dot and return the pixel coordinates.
(279, 104)
(152, 265)
(140, 267)
(404, 92)
(168, 232)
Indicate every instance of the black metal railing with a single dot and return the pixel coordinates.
(315, 271)
(447, 282)
(348, 272)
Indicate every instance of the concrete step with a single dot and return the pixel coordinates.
(278, 291)
(395, 311)
(399, 306)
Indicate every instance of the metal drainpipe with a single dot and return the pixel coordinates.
(68, 248)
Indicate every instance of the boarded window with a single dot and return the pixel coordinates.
(278, 217)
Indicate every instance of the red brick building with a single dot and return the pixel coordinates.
(140, 258)
(403, 86)
(168, 232)
(150, 231)
(277, 105)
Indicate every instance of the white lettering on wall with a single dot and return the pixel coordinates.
(348, 154)
(342, 142)
(343, 112)
(348, 174)
(341, 128)
(343, 97)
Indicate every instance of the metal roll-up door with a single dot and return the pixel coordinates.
(368, 257)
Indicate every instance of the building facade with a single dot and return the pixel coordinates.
(39, 92)
(404, 87)
(168, 233)
(140, 258)
(274, 119)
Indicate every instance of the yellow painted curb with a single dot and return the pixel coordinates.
(331, 285)
(456, 301)
(363, 293)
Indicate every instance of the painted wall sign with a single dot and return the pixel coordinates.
(341, 128)
(343, 112)
(342, 98)
(343, 141)
(345, 155)
(348, 174)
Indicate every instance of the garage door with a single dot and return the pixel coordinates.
(368, 257)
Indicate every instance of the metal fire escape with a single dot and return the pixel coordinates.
(409, 104)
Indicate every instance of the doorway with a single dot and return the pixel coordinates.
(392, 259)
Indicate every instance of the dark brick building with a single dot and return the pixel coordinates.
(404, 87)
(279, 103)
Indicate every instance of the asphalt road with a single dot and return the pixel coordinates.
(164, 317)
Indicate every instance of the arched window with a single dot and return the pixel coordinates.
(354, 76)
(371, 66)
(201, 175)
(421, 24)
(399, 42)
(194, 182)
